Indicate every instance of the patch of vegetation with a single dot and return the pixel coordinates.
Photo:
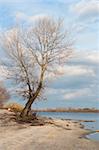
(15, 107)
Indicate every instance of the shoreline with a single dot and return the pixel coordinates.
(56, 134)
(68, 110)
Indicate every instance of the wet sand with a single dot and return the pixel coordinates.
(54, 135)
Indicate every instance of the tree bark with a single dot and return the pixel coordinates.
(27, 108)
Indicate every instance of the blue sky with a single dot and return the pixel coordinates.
(78, 84)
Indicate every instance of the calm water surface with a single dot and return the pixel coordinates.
(78, 116)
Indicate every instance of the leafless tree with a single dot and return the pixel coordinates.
(4, 95)
(32, 52)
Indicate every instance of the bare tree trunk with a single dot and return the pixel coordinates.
(27, 108)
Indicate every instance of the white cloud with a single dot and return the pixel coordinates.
(68, 70)
(76, 94)
(85, 7)
(69, 94)
(21, 16)
(91, 57)
(52, 91)
(86, 20)
(73, 70)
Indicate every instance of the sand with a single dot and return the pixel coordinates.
(54, 135)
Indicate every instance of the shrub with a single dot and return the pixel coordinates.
(15, 107)
(4, 95)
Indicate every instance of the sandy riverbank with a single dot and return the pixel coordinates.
(54, 135)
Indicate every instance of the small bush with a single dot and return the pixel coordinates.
(14, 107)
(4, 95)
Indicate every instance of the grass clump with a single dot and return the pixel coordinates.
(15, 107)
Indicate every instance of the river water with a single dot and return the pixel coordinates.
(78, 116)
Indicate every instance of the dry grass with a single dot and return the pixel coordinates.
(15, 107)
